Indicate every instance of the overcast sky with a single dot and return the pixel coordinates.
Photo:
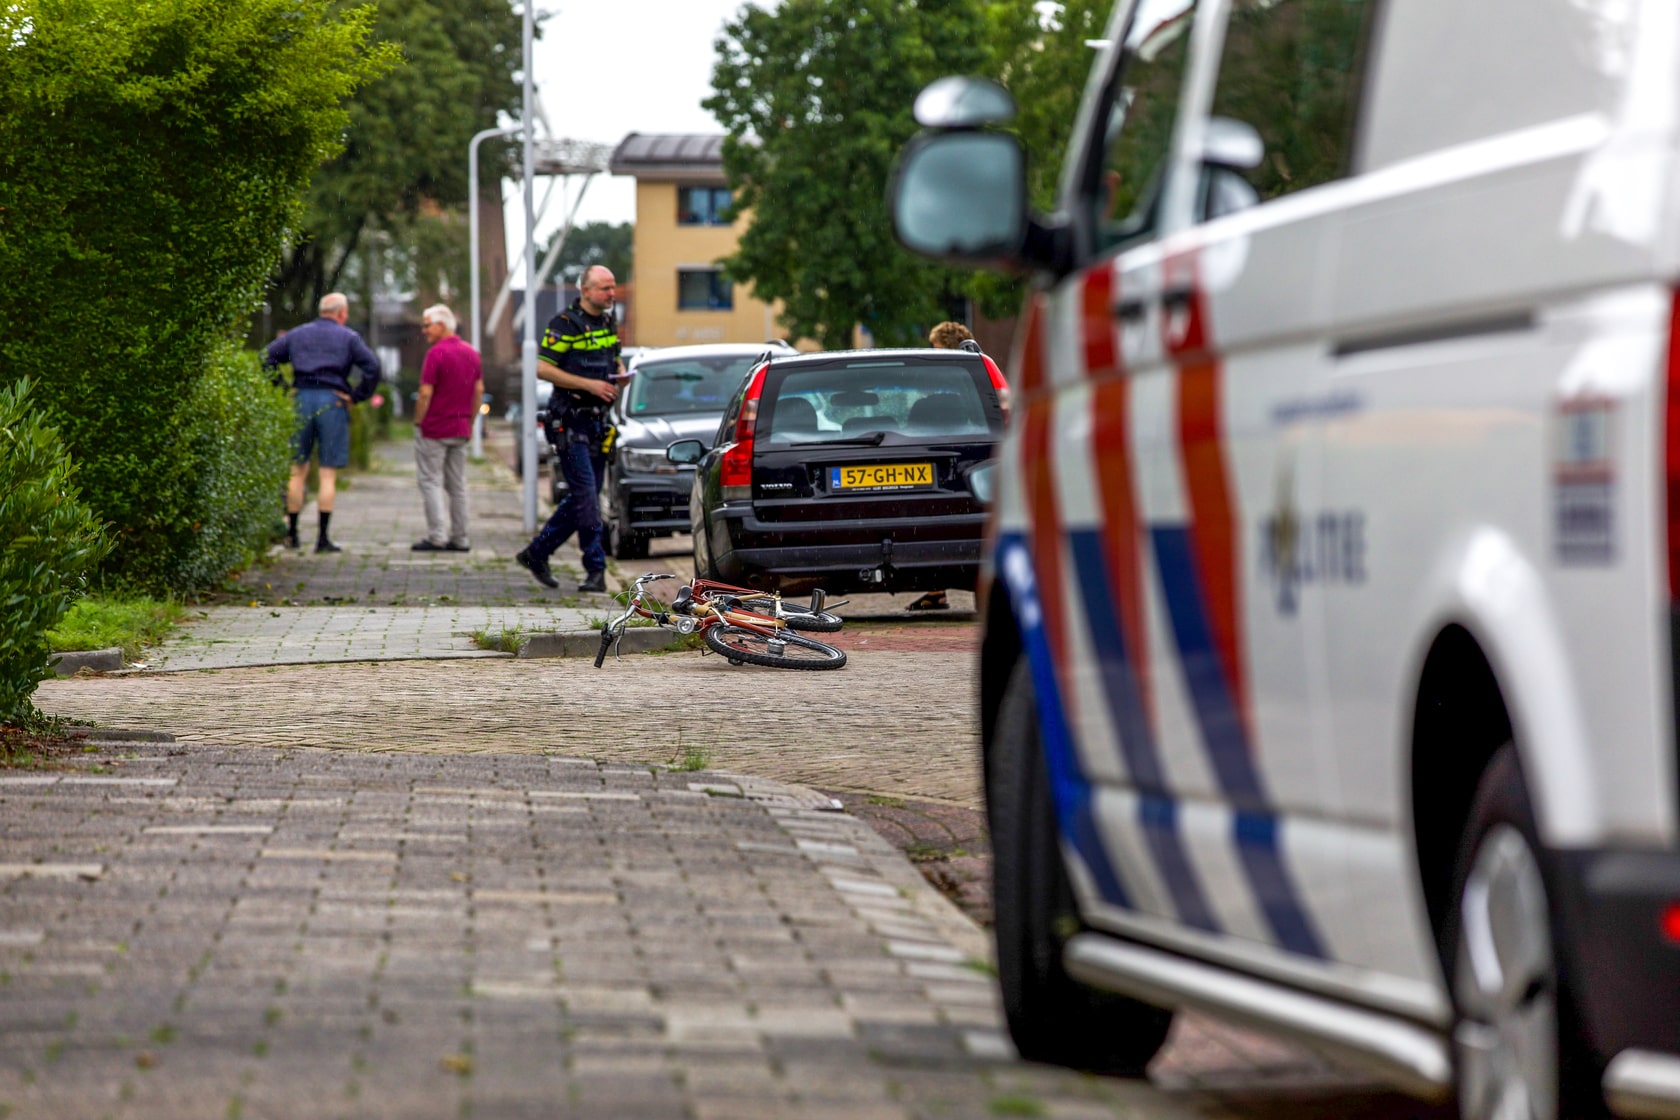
(608, 68)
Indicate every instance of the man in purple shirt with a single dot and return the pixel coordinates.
(451, 386)
(322, 354)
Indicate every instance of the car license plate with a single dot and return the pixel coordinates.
(885, 476)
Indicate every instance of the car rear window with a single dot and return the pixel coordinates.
(902, 397)
(683, 385)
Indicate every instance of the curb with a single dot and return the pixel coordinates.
(121, 735)
(70, 662)
(585, 643)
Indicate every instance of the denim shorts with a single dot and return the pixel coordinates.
(323, 419)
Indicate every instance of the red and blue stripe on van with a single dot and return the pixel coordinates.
(1196, 565)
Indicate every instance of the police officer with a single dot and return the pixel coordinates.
(579, 356)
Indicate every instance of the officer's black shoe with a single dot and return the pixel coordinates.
(292, 541)
(594, 581)
(538, 568)
(324, 545)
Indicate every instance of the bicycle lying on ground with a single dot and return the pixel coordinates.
(746, 626)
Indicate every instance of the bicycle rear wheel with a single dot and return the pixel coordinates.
(779, 651)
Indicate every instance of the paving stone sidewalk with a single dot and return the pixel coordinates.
(213, 932)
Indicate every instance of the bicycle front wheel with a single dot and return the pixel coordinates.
(778, 651)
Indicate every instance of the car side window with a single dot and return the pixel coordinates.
(1137, 124)
(730, 415)
(1291, 70)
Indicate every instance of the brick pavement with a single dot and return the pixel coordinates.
(355, 766)
(209, 931)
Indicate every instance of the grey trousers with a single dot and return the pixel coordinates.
(441, 466)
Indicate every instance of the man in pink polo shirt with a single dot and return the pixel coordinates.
(451, 386)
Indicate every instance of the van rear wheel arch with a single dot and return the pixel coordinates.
(1459, 723)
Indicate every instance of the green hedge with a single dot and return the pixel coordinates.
(235, 435)
(49, 541)
(152, 158)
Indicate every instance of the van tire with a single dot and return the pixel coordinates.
(1513, 1039)
(1052, 1017)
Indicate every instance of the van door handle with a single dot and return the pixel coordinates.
(1177, 297)
(1131, 310)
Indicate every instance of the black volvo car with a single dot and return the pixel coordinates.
(848, 470)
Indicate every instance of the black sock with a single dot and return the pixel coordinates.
(291, 525)
(326, 516)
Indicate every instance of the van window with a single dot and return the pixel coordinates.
(1292, 70)
(1138, 124)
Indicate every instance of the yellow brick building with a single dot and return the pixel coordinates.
(682, 296)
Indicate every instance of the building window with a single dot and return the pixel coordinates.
(702, 206)
(704, 289)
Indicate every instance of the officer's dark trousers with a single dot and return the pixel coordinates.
(585, 469)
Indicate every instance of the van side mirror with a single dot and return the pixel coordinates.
(958, 193)
(686, 451)
(957, 102)
(1233, 144)
(961, 197)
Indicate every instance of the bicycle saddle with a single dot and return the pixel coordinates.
(684, 602)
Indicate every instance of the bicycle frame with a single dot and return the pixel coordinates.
(702, 614)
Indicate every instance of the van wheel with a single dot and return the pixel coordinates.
(1511, 1024)
(1052, 1017)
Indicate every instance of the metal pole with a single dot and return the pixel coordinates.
(472, 222)
(528, 348)
(474, 327)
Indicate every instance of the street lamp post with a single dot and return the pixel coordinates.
(528, 348)
(476, 327)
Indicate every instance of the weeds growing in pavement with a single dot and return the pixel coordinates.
(695, 756)
(504, 640)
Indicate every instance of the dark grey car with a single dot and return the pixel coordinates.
(674, 393)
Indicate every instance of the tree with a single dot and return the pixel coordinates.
(1042, 58)
(595, 243)
(152, 154)
(405, 152)
(816, 99)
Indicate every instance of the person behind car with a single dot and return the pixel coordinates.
(451, 385)
(321, 354)
(945, 336)
(579, 356)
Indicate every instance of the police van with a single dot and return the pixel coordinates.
(1329, 677)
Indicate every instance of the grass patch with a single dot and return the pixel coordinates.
(886, 802)
(103, 621)
(504, 640)
(1016, 1104)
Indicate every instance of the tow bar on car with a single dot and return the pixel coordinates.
(884, 570)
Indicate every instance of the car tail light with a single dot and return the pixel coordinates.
(735, 468)
(999, 384)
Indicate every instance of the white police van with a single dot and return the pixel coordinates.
(1329, 678)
